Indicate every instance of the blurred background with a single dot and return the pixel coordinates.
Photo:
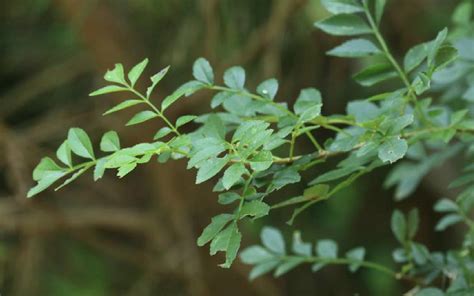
(137, 236)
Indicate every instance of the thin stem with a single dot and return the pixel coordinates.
(155, 109)
(271, 102)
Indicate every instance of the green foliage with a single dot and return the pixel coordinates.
(249, 147)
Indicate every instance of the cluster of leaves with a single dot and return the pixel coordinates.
(249, 142)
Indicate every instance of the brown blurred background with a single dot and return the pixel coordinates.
(137, 236)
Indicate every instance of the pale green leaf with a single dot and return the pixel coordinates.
(137, 71)
(182, 120)
(123, 105)
(116, 75)
(64, 153)
(356, 255)
(80, 143)
(273, 240)
(202, 71)
(142, 117)
(235, 77)
(393, 149)
(110, 142)
(254, 208)
(210, 168)
(107, 89)
(326, 248)
(268, 88)
(155, 79)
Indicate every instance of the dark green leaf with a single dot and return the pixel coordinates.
(344, 25)
(342, 6)
(375, 74)
(217, 224)
(355, 48)
(398, 225)
(233, 174)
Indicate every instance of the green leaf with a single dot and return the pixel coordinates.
(107, 89)
(228, 198)
(445, 56)
(110, 142)
(273, 240)
(64, 154)
(76, 175)
(344, 25)
(375, 74)
(233, 174)
(162, 132)
(210, 168)
(99, 169)
(342, 6)
(155, 79)
(116, 75)
(288, 265)
(262, 161)
(205, 149)
(45, 167)
(446, 205)
(430, 292)
(126, 169)
(398, 226)
(435, 45)
(123, 105)
(268, 88)
(184, 90)
(356, 254)
(311, 113)
(254, 208)
(141, 117)
(379, 8)
(137, 71)
(415, 56)
(447, 221)
(255, 255)
(307, 98)
(420, 253)
(355, 48)
(203, 72)
(235, 78)
(326, 248)
(262, 269)
(184, 119)
(217, 224)
(45, 182)
(393, 149)
(80, 143)
(299, 247)
(463, 13)
(336, 174)
(228, 241)
(413, 221)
